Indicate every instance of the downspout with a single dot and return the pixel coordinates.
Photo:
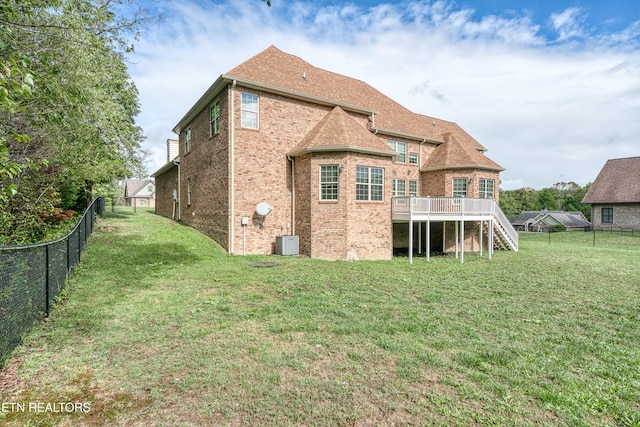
(293, 195)
(179, 201)
(232, 183)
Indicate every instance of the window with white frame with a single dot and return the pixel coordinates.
(399, 188)
(459, 187)
(249, 111)
(329, 182)
(189, 186)
(214, 118)
(413, 158)
(413, 188)
(486, 188)
(400, 148)
(187, 140)
(369, 183)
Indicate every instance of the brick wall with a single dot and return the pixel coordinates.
(625, 216)
(206, 167)
(263, 171)
(346, 229)
(165, 185)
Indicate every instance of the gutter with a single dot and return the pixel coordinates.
(224, 80)
(293, 194)
(232, 182)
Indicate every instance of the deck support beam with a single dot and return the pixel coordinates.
(428, 241)
(462, 241)
(410, 241)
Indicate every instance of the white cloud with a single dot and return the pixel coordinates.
(568, 23)
(547, 109)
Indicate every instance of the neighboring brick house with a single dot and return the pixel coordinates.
(140, 193)
(615, 195)
(328, 153)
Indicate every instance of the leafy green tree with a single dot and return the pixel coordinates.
(67, 105)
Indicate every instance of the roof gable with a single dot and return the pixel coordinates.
(137, 188)
(455, 155)
(617, 182)
(339, 132)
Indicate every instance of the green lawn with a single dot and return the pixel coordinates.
(160, 328)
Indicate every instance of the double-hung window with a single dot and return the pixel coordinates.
(486, 189)
(369, 183)
(400, 148)
(399, 188)
(413, 188)
(250, 110)
(329, 182)
(214, 118)
(460, 187)
(187, 141)
(607, 215)
(413, 158)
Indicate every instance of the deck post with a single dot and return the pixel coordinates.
(428, 240)
(481, 224)
(490, 238)
(457, 235)
(462, 241)
(410, 239)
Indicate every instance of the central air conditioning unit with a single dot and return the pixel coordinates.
(287, 245)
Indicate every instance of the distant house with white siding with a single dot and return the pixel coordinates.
(140, 193)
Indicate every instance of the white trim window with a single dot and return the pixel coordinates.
(189, 187)
(187, 140)
(214, 118)
(369, 183)
(399, 188)
(400, 148)
(249, 110)
(486, 188)
(413, 158)
(413, 188)
(459, 187)
(329, 182)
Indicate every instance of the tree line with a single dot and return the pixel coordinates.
(67, 107)
(562, 196)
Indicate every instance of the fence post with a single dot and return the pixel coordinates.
(47, 309)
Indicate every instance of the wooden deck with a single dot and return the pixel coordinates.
(459, 209)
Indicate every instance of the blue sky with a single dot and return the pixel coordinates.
(551, 88)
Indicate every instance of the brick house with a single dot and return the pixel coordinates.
(337, 162)
(614, 196)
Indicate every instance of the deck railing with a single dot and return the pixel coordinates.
(448, 208)
(442, 206)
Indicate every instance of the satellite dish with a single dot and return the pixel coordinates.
(263, 209)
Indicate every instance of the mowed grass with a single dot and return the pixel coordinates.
(161, 328)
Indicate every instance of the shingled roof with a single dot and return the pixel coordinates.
(279, 70)
(617, 182)
(454, 155)
(339, 132)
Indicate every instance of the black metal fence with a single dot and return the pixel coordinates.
(33, 276)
